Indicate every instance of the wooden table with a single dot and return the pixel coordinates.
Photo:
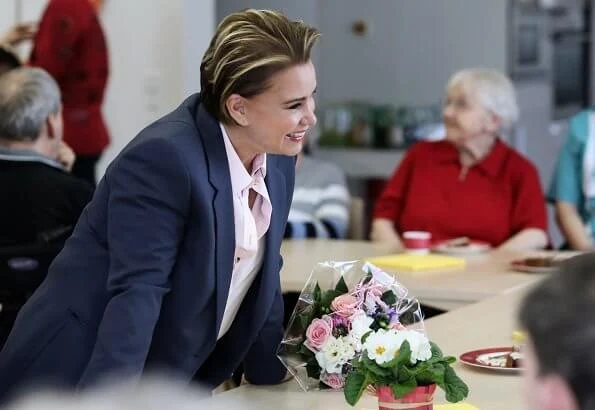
(485, 275)
(484, 324)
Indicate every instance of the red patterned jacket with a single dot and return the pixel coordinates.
(71, 46)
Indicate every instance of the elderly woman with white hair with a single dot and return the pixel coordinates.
(471, 184)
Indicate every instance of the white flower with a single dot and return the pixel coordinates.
(335, 353)
(382, 346)
(360, 325)
(420, 346)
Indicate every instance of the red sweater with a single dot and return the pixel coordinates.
(499, 197)
(71, 46)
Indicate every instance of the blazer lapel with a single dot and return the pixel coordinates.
(220, 179)
(259, 298)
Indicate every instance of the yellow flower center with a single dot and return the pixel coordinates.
(380, 350)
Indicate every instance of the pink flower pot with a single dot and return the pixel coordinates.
(421, 398)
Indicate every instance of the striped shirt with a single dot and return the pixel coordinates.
(320, 206)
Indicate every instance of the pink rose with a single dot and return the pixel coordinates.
(317, 334)
(333, 380)
(344, 305)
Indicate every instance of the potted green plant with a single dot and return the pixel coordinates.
(402, 366)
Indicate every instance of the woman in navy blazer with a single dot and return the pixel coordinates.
(143, 282)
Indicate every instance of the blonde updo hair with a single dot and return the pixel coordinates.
(494, 90)
(248, 48)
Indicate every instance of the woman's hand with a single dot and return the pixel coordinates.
(572, 226)
(66, 156)
(527, 239)
(19, 33)
(383, 232)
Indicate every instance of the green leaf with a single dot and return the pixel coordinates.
(404, 355)
(342, 286)
(455, 388)
(403, 373)
(317, 294)
(402, 389)
(436, 352)
(304, 351)
(305, 320)
(389, 297)
(365, 336)
(450, 359)
(328, 297)
(433, 374)
(375, 368)
(312, 369)
(355, 385)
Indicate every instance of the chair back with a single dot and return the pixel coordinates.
(23, 267)
(356, 229)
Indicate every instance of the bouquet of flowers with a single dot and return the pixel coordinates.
(341, 307)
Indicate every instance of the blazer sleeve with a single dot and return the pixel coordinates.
(149, 193)
(261, 364)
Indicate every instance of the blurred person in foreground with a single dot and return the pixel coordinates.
(559, 317)
(154, 393)
(174, 265)
(471, 184)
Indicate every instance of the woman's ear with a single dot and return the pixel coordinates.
(236, 107)
(493, 123)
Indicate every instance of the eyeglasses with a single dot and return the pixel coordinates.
(458, 104)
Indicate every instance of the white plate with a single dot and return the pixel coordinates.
(473, 248)
(490, 359)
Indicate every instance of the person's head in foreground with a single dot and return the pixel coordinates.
(559, 317)
(258, 80)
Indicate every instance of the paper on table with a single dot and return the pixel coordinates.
(417, 262)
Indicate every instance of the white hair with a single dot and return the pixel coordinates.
(494, 90)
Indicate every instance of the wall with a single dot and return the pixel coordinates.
(155, 53)
(155, 59)
(305, 10)
(411, 49)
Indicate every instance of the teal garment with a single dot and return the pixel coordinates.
(567, 182)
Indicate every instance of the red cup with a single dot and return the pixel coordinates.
(418, 242)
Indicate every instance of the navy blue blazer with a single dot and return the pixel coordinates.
(143, 281)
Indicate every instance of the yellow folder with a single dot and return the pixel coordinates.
(416, 263)
(450, 406)
(455, 406)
